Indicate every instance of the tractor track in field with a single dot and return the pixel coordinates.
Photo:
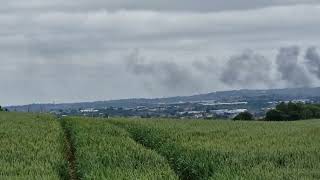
(171, 165)
(69, 152)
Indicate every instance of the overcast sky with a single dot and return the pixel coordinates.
(86, 50)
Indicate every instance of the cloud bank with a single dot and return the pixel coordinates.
(85, 50)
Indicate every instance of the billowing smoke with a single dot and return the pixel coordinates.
(290, 69)
(169, 75)
(313, 61)
(136, 64)
(247, 69)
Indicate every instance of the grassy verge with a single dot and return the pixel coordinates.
(31, 147)
(233, 150)
(103, 151)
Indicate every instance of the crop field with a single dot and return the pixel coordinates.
(43, 147)
(233, 150)
(104, 151)
(31, 147)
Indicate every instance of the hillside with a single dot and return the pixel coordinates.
(259, 96)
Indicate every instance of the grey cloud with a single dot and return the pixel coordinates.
(42, 81)
(290, 69)
(246, 70)
(313, 61)
(68, 33)
(59, 49)
(209, 65)
(158, 5)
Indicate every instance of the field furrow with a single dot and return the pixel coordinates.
(232, 150)
(104, 151)
(69, 151)
(39, 146)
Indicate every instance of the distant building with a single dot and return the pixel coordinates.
(90, 110)
(228, 113)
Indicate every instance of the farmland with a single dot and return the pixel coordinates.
(233, 150)
(44, 147)
(31, 147)
(104, 151)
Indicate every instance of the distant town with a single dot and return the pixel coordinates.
(182, 110)
(217, 105)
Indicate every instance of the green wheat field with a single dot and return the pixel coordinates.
(39, 146)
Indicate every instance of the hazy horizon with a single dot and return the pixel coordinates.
(89, 50)
(128, 98)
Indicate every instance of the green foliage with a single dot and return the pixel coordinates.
(104, 151)
(31, 147)
(246, 116)
(275, 115)
(3, 109)
(293, 111)
(232, 150)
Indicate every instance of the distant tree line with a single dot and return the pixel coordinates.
(293, 111)
(3, 109)
(286, 112)
(244, 116)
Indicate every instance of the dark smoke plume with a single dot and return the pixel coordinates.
(247, 69)
(171, 76)
(313, 61)
(289, 68)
